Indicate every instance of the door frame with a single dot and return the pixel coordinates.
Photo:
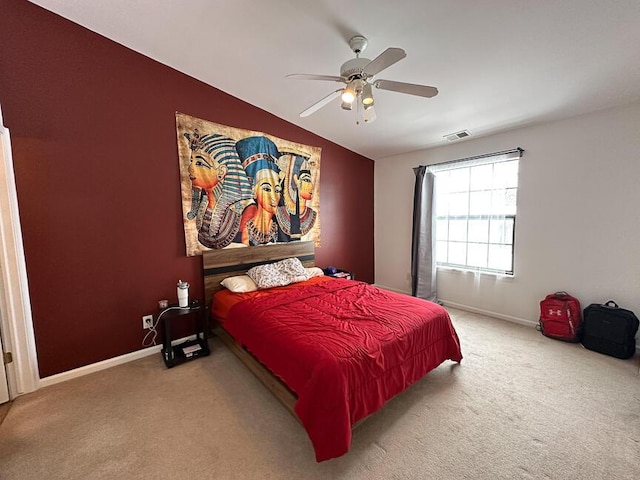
(17, 324)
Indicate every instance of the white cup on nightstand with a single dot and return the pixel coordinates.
(183, 294)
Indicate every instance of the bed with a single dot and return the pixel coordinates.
(333, 351)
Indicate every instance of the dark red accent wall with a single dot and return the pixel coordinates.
(94, 149)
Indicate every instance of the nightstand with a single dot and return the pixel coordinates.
(191, 349)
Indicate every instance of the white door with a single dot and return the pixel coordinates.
(16, 327)
(4, 385)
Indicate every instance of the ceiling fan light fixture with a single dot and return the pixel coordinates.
(367, 95)
(347, 105)
(349, 93)
(369, 114)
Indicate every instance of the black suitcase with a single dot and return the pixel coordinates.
(609, 329)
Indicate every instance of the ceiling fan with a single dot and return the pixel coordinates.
(358, 74)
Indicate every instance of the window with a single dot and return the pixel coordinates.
(475, 207)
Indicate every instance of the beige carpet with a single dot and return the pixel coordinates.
(519, 406)
(4, 409)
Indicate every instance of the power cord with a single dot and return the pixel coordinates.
(153, 332)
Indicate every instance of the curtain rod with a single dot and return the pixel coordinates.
(504, 152)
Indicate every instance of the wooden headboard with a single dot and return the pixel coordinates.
(219, 264)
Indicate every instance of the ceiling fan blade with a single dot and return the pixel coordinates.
(384, 60)
(321, 103)
(410, 88)
(304, 76)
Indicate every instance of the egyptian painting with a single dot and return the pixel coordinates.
(243, 188)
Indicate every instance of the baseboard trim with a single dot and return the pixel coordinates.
(96, 367)
(488, 313)
(391, 289)
(103, 365)
(467, 308)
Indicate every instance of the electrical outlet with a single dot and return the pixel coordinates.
(147, 321)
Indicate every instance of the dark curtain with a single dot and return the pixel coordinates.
(423, 242)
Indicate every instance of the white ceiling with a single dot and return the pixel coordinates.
(498, 64)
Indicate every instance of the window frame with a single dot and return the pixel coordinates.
(489, 270)
(489, 159)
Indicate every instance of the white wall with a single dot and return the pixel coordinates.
(578, 220)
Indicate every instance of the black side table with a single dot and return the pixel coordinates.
(340, 274)
(190, 349)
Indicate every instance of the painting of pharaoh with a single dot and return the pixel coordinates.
(220, 188)
(258, 155)
(242, 188)
(294, 215)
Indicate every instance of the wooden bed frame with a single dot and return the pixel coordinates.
(219, 264)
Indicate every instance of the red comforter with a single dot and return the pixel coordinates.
(345, 348)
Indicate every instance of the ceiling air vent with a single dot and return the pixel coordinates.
(458, 135)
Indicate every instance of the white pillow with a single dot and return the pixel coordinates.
(278, 274)
(314, 272)
(239, 284)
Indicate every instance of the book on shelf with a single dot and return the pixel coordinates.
(342, 274)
